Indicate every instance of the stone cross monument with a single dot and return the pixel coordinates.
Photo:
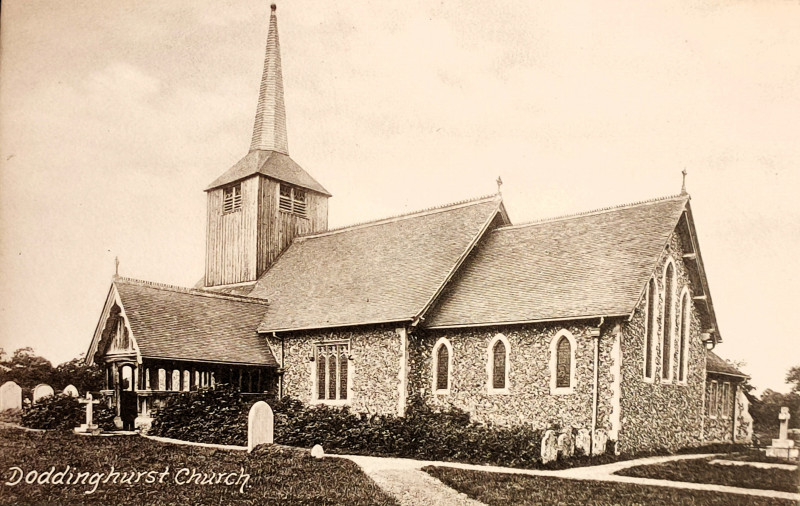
(89, 427)
(783, 446)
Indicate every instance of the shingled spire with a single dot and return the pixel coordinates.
(269, 131)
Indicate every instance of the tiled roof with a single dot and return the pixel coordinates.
(717, 365)
(384, 271)
(269, 163)
(592, 264)
(171, 322)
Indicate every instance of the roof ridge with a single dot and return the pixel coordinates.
(402, 216)
(189, 291)
(591, 212)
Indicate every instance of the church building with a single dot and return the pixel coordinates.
(600, 321)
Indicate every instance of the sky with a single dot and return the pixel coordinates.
(114, 116)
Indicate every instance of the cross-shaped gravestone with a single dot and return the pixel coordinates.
(88, 427)
(784, 419)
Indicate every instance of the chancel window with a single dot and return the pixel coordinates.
(332, 361)
(232, 198)
(650, 329)
(562, 363)
(711, 405)
(292, 200)
(683, 346)
(668, 323)
(725, 401)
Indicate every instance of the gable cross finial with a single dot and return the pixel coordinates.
(499, 184)
(116, 266)
(683, 185)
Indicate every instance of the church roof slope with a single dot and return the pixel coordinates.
(175, 323)
(718, 365)
(384, 271)
(592, 264)
(272, 164)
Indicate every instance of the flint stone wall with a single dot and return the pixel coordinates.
(718, 427)
(657, 414)
(374, 369)
(529, 400)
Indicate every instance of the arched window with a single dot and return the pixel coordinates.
(668, 322)
(562, 363)
(332, 362)
(683, 346)
(650, 328)
(498, 364)
(442, 364)
(162, 379)
(127, 378)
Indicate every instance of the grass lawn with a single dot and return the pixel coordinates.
(503, 489)
(164, 473)
(700, 471)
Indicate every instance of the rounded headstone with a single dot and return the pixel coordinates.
(317, 452)
(10, 396)
(41, 391)
(600, 440)
(583, 441)
(260, 422)
(549, 450)
(71, 391)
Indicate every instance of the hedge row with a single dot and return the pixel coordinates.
(65, 412)
(220, 416)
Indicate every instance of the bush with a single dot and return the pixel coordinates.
(64, 412)
(220, 416)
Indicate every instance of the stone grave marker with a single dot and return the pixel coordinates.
(260, 423)
(71, 391)
(317, 452)
(549, 449)
(583, 441)
(41, 391)
(566, 444)
(783, 446)
(10, 396)
(600, 440)
(89, 427)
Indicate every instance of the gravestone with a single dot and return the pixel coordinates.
(41, 391)
(583, 442)
(260, 423)
(783, 446)
(89, 427)
(10, 396)
(71, 391)
(549, 449)
(600, 440)
(317, 452)
(566, 444)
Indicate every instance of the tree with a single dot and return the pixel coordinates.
(793, 378)
(77, 373)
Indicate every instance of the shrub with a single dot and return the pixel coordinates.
(220, 416)
(64, 412)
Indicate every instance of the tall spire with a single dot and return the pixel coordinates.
(269, 131)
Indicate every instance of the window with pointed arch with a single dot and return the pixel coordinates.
(442, 366)
(668, 322)
(650, 329)
(332, 362)
(683, 343)
(562, 363)
(497, 362)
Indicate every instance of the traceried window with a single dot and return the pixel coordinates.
(292, 200)
(650, 328)
(332, 362)
(442, 361)
(683, 343)
(232, 198)
(668, 323)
